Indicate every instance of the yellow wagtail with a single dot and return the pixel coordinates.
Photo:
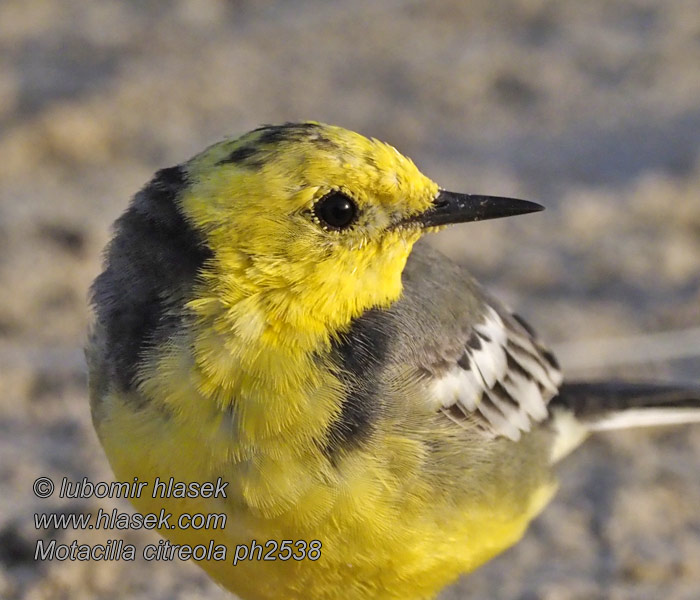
(265, 317)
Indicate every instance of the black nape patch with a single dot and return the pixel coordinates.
(273, 134)
(150, 269)
(243, 156)
(359, 353)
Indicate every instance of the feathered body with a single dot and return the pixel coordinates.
(349, 387)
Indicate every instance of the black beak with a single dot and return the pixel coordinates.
(450, 207)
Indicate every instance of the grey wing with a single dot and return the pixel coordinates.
(483, 366)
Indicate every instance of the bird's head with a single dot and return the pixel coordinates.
(310, 225)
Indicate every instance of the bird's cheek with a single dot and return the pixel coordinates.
(382, 273)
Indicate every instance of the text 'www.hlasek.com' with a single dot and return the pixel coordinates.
(195, 525)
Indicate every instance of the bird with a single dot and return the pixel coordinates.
(270, 317)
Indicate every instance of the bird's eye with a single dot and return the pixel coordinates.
(336, 210)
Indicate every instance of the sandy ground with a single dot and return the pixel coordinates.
(592, 108)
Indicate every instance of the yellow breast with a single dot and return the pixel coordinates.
(385, 530)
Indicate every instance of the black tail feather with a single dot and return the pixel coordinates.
(588, 400)
(582, 408)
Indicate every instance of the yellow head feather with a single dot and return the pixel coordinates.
(278, 270)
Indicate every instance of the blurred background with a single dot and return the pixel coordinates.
(591, 108)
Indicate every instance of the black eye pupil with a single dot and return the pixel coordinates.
(336, 210)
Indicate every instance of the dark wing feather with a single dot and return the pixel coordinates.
(482, 364)
(502, 380)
